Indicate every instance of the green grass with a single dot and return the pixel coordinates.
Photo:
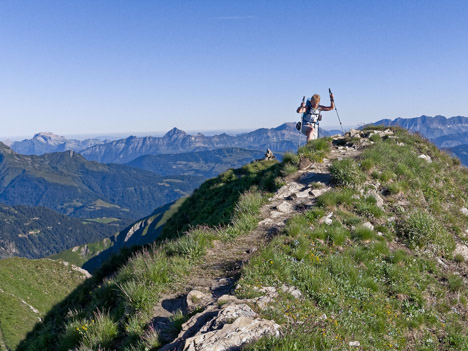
(381, 287)
(346, 173)
(385, 291)
(315, 150)
(40, 283)
(129, 294)
(105, 220)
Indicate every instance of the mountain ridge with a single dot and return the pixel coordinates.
(430, 127)
(364, 245)
(47, 142)
(68, 183)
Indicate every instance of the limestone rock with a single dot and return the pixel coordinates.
(379, 201)
(461, 249)
(232, 336)
(427, 158)
(292, 290)
(285, 207)
(225, 325)
(318, 192)
(197, 299)
(368, 225)
(328, 219)
(464, 211)
(354, 343)
(353, 133)
(287, 190)
(303, 194)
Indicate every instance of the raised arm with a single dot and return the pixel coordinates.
(302, 108)
(332, 104)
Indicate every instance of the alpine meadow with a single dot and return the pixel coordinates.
(355, 241)
(233, 175)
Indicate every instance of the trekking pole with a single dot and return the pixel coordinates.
(329, 90)
(300, 130)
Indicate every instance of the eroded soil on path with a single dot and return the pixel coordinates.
(218, 273)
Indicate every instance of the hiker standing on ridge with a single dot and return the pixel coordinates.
(312, 113)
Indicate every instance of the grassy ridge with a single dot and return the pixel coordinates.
(380, 285)
(38, 283)
(113, 309)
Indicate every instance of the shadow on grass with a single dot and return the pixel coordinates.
(212, 204)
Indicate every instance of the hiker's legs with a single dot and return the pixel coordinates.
(310, 134)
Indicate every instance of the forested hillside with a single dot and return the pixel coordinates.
(36, 232)
(69, 184)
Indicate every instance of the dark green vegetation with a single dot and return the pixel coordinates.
(28, 290)
(383, 286)
(206, 164)
(146, 230)
(35, 232)
(71, 185)
(114, 307)
(373, 275)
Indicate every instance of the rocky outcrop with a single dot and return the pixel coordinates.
(226, 324)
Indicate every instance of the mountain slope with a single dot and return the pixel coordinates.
(92, 255)
(363, 245)
(36, 232)
(43, 143)
(281, 139)
(68, 183)
(207, 164)
(28, 290)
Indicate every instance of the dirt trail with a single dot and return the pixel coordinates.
(222, 264)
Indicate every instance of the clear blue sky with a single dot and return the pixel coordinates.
(103, 67)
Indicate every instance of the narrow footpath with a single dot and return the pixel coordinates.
(221, 267)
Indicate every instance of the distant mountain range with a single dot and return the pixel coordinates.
(447, 133)
(444, 132)
(46, 142)
(207, 164)
(69, 184)
(280, 139)
(461, 151)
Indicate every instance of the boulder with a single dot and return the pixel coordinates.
(227, 324)
(318, 192)
(353, 133)
(464, 211)
(287, 190)
(378, 199)
(232, 336)
(285, 207)
(461, 249)
(292, 290)
(303, 194)
(197, 299)
(426, 158)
